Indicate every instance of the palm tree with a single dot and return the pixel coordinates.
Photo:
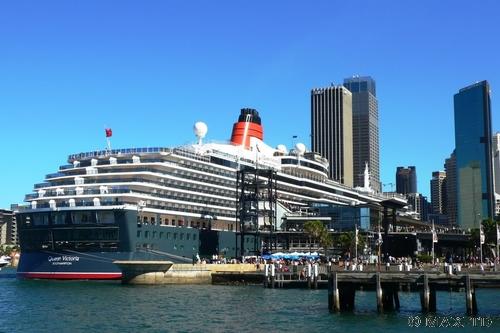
(317, 231)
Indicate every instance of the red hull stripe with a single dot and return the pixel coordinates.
(69, 275)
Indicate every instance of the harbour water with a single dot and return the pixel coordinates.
(85, 306)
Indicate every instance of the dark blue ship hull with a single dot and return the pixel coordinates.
(77, 251)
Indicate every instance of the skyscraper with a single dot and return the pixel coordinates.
(331, 130)
(365, 135)
(495, 151)
(406, 180)
(475, 200)
(450, 167)
(419, 204)
(438, 192)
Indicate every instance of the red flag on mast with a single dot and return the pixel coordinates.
(109, 132)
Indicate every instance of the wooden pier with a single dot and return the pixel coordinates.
(342, 286)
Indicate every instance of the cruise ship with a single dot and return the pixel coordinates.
(163, 203)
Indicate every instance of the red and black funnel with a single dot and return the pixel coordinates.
(248, 126)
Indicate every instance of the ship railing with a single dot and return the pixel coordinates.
(104, 153)
(89, 180)
(228, 189)
(188, 198)
(48, 194)
(89, 203)
(187, 152)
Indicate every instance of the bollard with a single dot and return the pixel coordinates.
(266, 275)
(315, 274)
(309, 276)
(273, 274)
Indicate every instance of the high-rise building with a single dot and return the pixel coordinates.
(331, 130)
(365, 134)
(495, 151)
(8, 230)
(438, 192)
(406, 180)
(475, 196)
(419, 204)
(450, 168)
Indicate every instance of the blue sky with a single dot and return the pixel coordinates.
(150, 69)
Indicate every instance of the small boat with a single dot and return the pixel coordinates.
(4, 261)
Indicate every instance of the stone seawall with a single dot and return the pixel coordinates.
(145, 272)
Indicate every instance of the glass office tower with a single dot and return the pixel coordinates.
(473, 139)
(365, 133)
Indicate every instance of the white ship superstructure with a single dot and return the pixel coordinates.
(189, 185)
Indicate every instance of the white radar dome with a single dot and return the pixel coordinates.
(200, 130)
(281, 149)
(300, 148)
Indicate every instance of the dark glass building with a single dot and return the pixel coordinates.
(406, 180)
(365, 133)
(450, 167)
(473, 139)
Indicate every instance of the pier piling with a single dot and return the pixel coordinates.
(428, 295)
(380, 293)
(470, 297)
(333, 293)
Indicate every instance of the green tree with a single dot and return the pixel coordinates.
(318, 233)
(490, 235)
(347, 242)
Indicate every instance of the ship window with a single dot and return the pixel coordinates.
(194, 237)
(59, 218)
(181, 236)
(175, 235)
(40, 219)
(106, 217)
(168, 235)
(83, 217)
(161, 235)
(188, 236)
(138, 233)
(146, 234)
(154, 234)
